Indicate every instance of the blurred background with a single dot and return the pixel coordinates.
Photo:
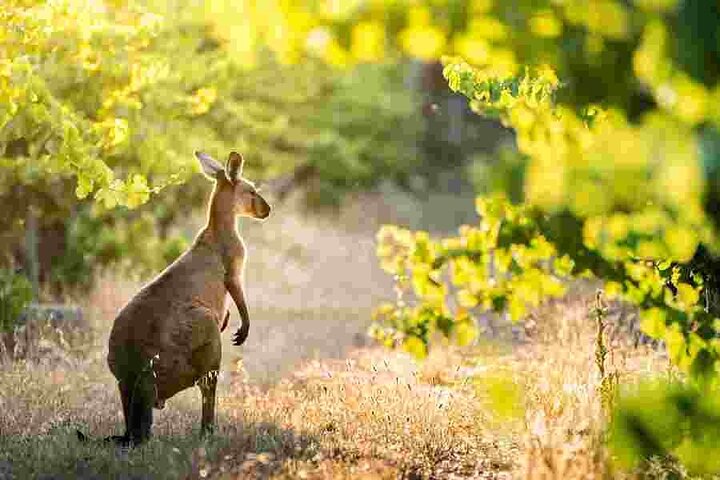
(341, 146)
(344, 113)
(442, 172)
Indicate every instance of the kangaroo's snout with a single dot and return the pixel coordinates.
(262, 208)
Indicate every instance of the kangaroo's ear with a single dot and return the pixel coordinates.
(234, 166)
(210, 166)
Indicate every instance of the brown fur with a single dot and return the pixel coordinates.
(172, 326)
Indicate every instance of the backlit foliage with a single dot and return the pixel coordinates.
(636, 189)
(616, 121)
(103, 103)
(614, 105)
(106, 59)
(72, 81)
(657, 420)
(505, 264)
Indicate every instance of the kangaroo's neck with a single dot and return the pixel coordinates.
(220, 229)
(221, 223)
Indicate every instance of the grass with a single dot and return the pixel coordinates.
(372, 413)
(308, 397)
(501, 410)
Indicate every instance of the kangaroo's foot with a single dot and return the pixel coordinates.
(118, 440)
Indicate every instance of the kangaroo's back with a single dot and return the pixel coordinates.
(148, 319)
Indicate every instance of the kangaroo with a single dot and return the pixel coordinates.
(167, 337)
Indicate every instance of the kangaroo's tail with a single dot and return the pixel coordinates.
(119, 440)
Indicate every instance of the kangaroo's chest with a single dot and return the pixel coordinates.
(213, 269)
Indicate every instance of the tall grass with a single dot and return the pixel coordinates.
(307, 397)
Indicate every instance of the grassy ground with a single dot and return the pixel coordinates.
(308, 397)
(501, 410)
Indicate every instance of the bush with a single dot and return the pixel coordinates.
(15, 295)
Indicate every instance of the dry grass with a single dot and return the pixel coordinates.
(564, 435)
(306, 397)
(371, 414)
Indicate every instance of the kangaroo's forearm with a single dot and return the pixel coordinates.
(236, 292)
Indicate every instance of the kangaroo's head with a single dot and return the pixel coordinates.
(234, 194)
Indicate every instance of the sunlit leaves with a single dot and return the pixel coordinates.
(393, 248)
(474, 49)
(606, 18)
(72, 75)
(687, 295)
(502, 265)
(466, 331)
(415, 347)
(368, 41)
(651, 170)
(201, 101)
(674, 90)
(652, 322)
(656, 5)
(421, 38)
(545, 24)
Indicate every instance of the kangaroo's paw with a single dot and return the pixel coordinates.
(239, 337)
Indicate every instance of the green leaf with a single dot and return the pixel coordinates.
(466, 299)
(516, 308)
(415, 346)
(465, 332)
(84, 187)
(687, 295)
(652, 322)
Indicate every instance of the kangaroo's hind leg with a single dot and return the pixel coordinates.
(141, 398)
(208, 389)
(205, 361)
(136, 383)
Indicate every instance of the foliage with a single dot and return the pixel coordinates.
(90, 109)
(365, 132)
(667, 421)
(616, 126)
(636, 190)
(72, 82)
(638, 186)
(154, 61)
(15, 296)
(126, 240)
(102, 105)
(615, 118)
(500, 171)
(614, 105)
(505, 264)
(102, 91)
